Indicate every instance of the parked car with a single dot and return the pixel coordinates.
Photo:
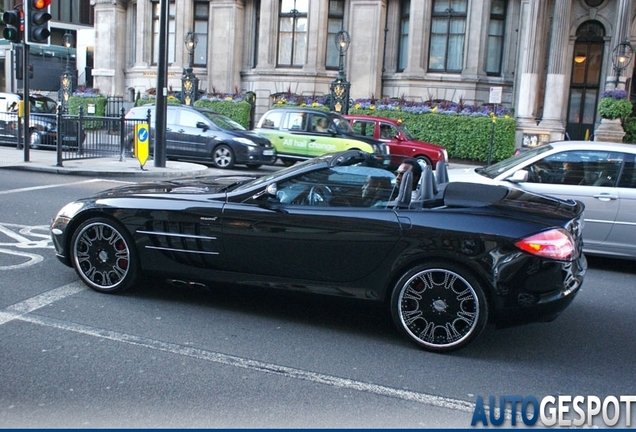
(203, 135)
(400, 141)
(43, 128)
(447, 265)
(601, 175)
(304, 133)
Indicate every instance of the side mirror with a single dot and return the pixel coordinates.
(272, 189)
(520, 176)
(202, 125)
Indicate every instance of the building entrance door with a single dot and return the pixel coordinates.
(585, 82)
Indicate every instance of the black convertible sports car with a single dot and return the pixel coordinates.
(447, 260)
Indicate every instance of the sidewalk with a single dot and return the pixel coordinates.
(46, 161)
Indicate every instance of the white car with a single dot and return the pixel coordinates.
(601, 175)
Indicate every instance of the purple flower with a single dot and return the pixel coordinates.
(615, 94)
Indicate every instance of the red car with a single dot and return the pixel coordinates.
(398, 138)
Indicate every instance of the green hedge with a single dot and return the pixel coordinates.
(237, 111)
(463, 137)
(75, 102)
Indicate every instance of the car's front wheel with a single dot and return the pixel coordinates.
(104, 256)
(440, 306)
(223, 157)
(35, 139)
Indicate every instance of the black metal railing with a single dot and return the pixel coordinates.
(72, 136)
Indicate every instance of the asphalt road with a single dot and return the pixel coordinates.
(230, 357)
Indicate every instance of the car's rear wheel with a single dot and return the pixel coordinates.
(223, 157)
(104, 256)
(424, 161)
(440, 306)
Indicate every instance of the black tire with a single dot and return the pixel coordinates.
(223, 157)
(104, 256)
(288, 162)
(439, 306)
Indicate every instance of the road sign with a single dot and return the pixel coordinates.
(142, 147)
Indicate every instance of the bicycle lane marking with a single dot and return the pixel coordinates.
(20, 311)
(22, 242)
(33, 188)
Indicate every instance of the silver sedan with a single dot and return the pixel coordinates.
(601, 175)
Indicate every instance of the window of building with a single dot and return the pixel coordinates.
(73, 11)
(495, 43)
(201, 18)
(257, 26)
(292, 33)
(405, 14)
(156, 14)
(334, 25)
(448, 29)
(132, 25)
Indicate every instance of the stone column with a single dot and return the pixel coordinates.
(623, 19)
(554, 102)
(529, 66)
(109, 65)
(363, 60)
(225, 45)
(419, 22)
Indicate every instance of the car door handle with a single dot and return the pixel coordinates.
(605, 197)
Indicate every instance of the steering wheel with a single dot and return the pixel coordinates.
(319, 196)
(536, 173)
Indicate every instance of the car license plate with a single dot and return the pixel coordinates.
(269, 152)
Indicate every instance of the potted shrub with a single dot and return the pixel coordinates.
(614, 105)
(613, 108)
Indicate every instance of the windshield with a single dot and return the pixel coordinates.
(342, 124)
(280, 173)
(494, 170)
(407, 133)
(223, 122)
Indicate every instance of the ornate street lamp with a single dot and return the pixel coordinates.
(189, 82)
(621, 58)
(67, 77)
(339, 88)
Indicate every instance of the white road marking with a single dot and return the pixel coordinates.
(20, 311)
(33, 188)
(39, 301)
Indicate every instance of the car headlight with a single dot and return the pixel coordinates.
(246, 141)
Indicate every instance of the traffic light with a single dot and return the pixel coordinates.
(14, 25)
(37, 21)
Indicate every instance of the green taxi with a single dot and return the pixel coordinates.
(304, 133)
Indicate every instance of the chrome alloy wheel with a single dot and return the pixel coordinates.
(438, 308)
(102, 256)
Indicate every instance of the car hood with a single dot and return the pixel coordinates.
(259, 139)
(198, 185)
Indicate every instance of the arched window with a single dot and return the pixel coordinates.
(586, 79)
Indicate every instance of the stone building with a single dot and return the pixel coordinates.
(551, 59)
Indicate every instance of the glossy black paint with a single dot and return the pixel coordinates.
(231, 229)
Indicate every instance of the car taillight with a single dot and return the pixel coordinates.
(556, 244)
